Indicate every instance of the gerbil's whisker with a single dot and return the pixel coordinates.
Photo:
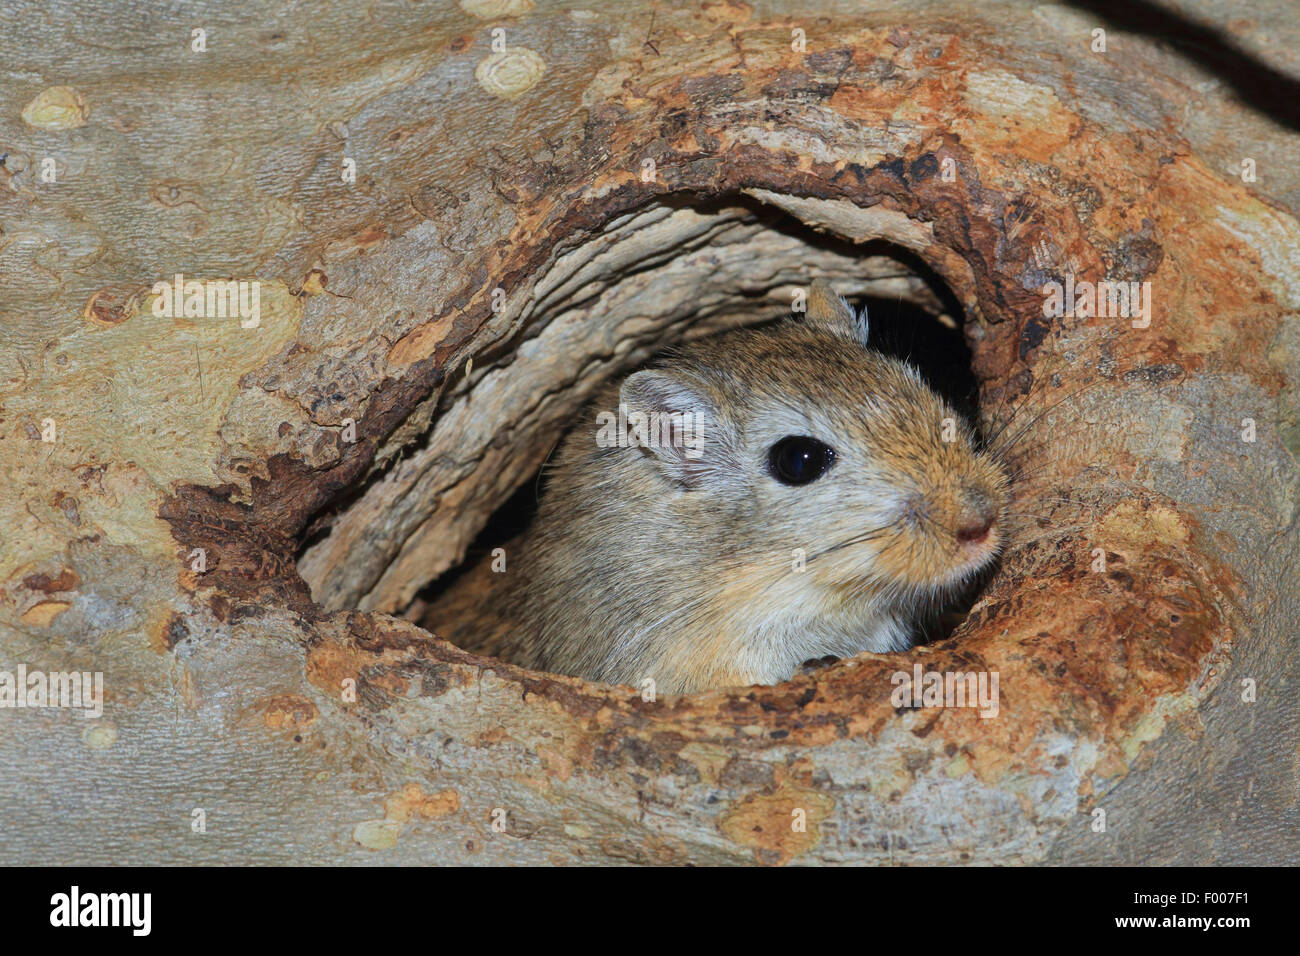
(857, 539)
(1038, 388)
(1018, 543)
(1024, 473)
(999, 451)
(537, 484)
(1040, 383)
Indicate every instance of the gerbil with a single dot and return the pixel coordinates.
(823, 513)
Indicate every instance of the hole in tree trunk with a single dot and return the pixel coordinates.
(453, 490)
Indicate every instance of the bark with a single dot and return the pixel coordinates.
(332, 461)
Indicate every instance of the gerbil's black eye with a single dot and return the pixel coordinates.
(798, 459)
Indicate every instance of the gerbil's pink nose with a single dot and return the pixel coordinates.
(976, 518)
(975, 531)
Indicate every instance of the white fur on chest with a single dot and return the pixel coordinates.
(777, 646)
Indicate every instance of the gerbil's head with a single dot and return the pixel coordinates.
(821, 456)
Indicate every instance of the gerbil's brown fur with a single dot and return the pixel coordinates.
(647, 562)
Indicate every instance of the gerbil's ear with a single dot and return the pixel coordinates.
(675, 421)
(828, 311)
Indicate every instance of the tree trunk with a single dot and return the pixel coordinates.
(234, 522)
